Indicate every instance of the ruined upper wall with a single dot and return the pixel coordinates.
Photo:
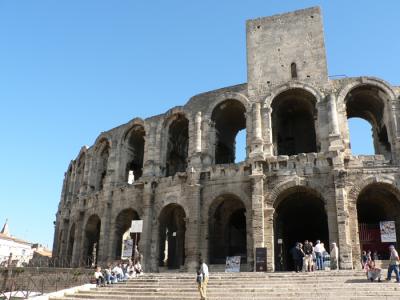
(275, 43)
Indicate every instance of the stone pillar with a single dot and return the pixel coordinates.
(77, 251)
(256, 143)
(344, 242)
(192, 238)
(335, 142)
(257, 205)
(269, 237)
(198, 132)
(267, 130)
(104, 243)
(147, 217)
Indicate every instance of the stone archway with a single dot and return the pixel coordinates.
(294, 116)
(299, 215)
(122, 225)
(377, 202)
(172, 228)
(92, 239)
(227, 229)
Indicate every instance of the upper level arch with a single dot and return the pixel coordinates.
(102, 154)
(132, 149)
(228, 117)
(175, 143)
(370, 100)
(294, 119)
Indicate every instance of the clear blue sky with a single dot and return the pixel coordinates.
(71, 69)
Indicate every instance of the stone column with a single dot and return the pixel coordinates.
(77, 250)
(257, 205)
(145, 238)
(192, 236)
(345, 252)
(256, 143)
(335, 142)
(269, 237)
(198, 132)
(104, 243)
(267, 130)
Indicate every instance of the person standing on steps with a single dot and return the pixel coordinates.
(199, 280)
(319, 250)
(308, 258)
(297, 255)
(204, 272)
(393, 264)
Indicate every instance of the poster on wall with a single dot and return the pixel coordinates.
(127, 247)
(388, 231)
(232, 264)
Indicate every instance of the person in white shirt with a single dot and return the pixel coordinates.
(99, 277)
(319, 250)
(204, 272)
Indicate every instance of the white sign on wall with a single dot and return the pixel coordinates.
(388, 231)
(137, 226)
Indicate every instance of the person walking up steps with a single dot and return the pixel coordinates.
(393, 264)
(204, 272)
(199, 280)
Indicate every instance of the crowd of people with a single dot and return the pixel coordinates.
(309, 258)
(117, 271)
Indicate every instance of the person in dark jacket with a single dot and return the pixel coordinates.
(297, 255)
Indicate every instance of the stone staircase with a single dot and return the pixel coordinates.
(240, 286)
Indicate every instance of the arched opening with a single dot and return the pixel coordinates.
(80, 173)
(92, 239)
(172, 236)
(135, 152)
(102, 164)
(299, 215)
(293, 70)
(227, 229)
(177, 145)
(361, 136)
(377, 203)
(368, 103)
(122, 227)
(71, 242)
(67, 185)
(293, 122)
(229, 118)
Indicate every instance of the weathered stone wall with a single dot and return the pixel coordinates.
(96, 184)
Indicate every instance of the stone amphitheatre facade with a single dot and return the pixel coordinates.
(299, 179)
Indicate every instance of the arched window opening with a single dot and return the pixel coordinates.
(361, 140)
(293, 70)
(135, 153)
(293, 122)
(229, 118)
(177, 145)
(240, 146)
(368, 103)
(172, 230)
(227, 229)
(376, 203)
(300, 215)
(67, 192)
(71, 242)
(92, 239)
(122, 233)
(79, 173)
(102, 165)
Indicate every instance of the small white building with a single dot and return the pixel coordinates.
(20, 250)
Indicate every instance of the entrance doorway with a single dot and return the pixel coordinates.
(377, 203)
(172, 237)
(300, 215)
